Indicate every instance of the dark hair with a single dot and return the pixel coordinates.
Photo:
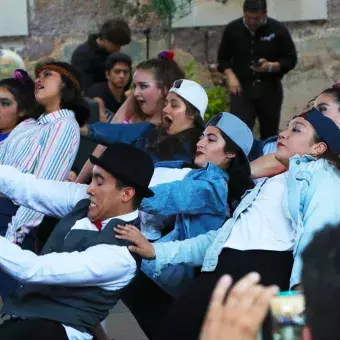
(115, 58)
(168, 147)
(193, 112)
(71, 99)
(238, 171)
(165, 72)
(333, 91)
(255, 6)
(321, 283)
(331, 156)
(23, 92)
(116, 31)
(136, 199)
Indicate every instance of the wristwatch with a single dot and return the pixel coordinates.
(270, 67)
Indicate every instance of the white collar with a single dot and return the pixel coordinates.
(252, 32)
(126, 218)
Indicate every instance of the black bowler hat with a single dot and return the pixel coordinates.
(128, 164)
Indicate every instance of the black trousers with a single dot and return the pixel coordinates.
(186, 315)
(147, 302)
(261, 99)
(37, 329)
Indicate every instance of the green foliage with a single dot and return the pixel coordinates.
(171, 8)
(190, 69)
(218, 101)
(218, 98)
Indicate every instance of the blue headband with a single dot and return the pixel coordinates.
(327, 130)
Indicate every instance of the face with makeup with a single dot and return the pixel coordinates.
(147, 93)
(298, 139)
(328, 106)
(48, 87)
(9, 115)
(175, 117)
(211, 148)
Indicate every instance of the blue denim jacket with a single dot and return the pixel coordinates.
(200, 203)
(136, 134)
(311, 201)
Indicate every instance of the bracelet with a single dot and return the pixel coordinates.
(270, 67)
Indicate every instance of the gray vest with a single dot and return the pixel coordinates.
(78, 307)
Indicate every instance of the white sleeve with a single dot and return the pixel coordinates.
(46, 196)
(108, 266)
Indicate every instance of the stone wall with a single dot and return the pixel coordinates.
(57, 27)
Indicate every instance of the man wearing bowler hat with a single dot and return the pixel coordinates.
(78, 277)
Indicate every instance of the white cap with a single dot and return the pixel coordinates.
(192, 92)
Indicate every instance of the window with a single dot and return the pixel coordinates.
(13, 18)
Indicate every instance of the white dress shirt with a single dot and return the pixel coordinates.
(265, 224)
(110, 267)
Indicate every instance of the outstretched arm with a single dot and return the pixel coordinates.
(192, 196)
(45, 196)
(191, 251)
(266, 166)
(103, 265)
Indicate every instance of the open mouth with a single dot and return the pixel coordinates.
(141, 102)
(38, 87)
(93, 204)
(167, 121)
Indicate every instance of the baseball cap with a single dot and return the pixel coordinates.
(192, 92)
(235, 129)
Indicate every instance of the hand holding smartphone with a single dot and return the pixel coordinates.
(287, 311)
(256, 63)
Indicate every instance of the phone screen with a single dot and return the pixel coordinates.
(288, 314)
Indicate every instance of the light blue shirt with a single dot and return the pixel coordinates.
(310, 202)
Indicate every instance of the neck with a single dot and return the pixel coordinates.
(123, 210)
(155, 118)
(4, 131)
(116, 92)
(52, 107)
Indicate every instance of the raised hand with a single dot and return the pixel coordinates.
(241, 315)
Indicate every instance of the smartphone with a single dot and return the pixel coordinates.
(256, 63)
(288, 314)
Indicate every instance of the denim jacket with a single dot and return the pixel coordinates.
(310, 201)
(136, 134)
(200, 203)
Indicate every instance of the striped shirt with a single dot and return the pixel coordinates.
(46, 148)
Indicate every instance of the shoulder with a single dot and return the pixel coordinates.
(98, 86)
(277, 26)
(210, 172)
(314, 171)
(234, 24)
(98, 89)
(81, 49)
(24, 125)
(64, 125)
